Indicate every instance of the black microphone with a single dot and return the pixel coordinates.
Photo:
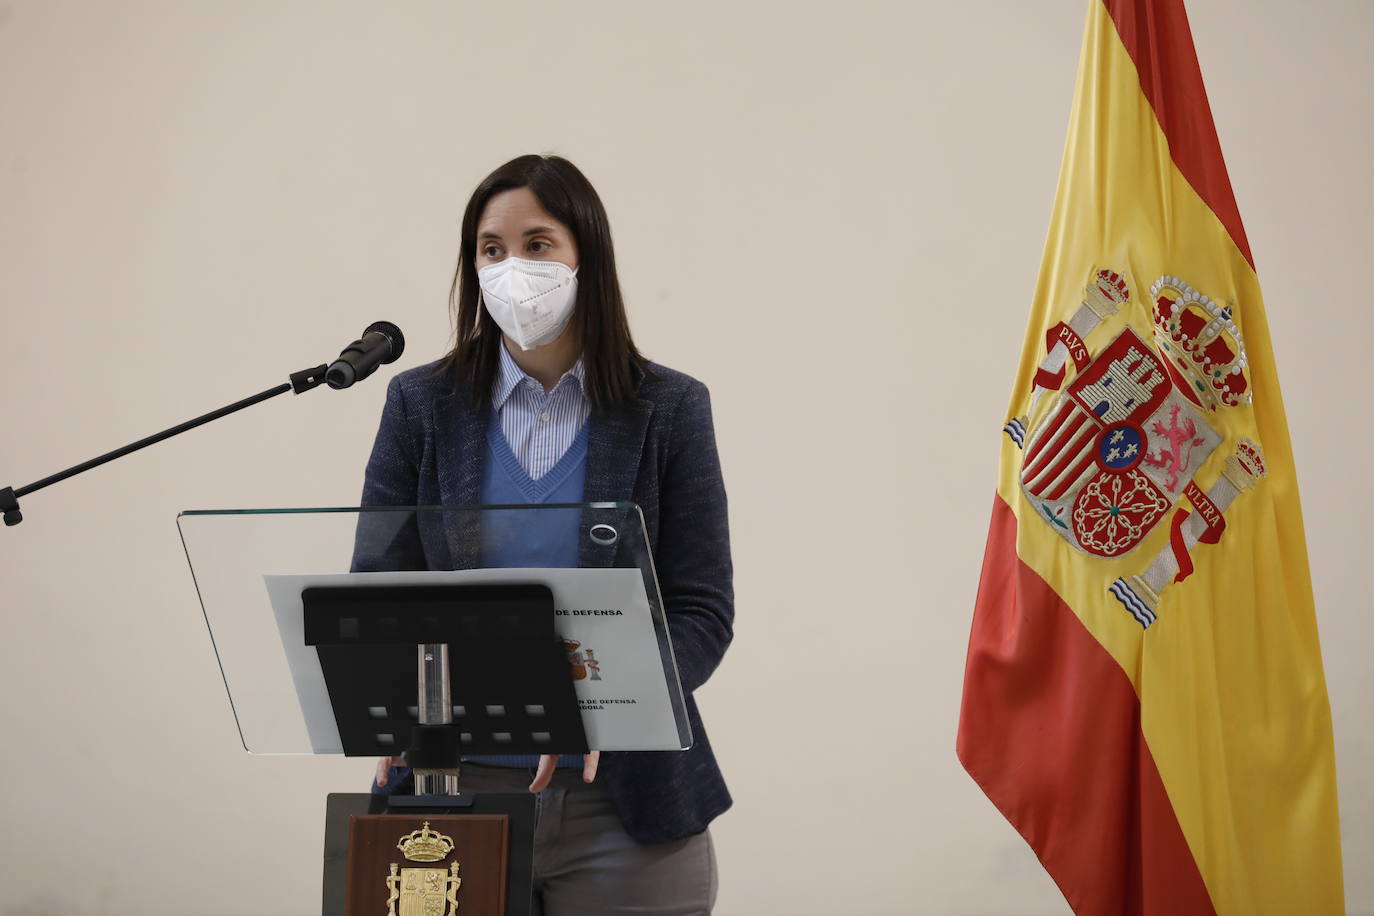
(381, 343)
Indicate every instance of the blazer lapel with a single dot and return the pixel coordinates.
(615, 444)
(460, 439)
(460, 434)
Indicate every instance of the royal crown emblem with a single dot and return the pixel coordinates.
(425, 845)
(1105, 292)
(1249, 462)
(1204, 347)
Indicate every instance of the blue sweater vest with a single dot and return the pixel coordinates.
(535, 538)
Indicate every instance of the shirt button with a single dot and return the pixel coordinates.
(544, 417)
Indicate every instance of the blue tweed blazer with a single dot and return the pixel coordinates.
(658, 451)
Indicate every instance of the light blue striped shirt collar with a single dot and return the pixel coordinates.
(511, 375)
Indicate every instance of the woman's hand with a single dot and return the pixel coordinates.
(547, 762)
(384, 766)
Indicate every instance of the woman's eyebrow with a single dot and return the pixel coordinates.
(535, 230)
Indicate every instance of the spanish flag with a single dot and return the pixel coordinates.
(1144, 698)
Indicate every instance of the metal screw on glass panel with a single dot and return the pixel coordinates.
(604, 534)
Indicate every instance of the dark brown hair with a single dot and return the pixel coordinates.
(608, 352)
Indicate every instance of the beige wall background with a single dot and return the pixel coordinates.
(832, 213)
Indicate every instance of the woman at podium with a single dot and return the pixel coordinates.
(544, 371)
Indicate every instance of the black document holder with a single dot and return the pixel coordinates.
(511, 690)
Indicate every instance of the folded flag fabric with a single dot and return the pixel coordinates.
(1144, 697)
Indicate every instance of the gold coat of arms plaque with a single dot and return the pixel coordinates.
(423, 891)
(419, 873)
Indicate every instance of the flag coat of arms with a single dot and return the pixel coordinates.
(1144, 697)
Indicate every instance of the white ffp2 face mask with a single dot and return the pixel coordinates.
(530, 301)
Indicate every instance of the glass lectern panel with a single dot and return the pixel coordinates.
(252, 568)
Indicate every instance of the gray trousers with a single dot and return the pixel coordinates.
(585, 862)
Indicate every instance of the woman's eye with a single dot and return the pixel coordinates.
(539, 245)
(492, 251)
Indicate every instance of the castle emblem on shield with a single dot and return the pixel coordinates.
(1121, 447)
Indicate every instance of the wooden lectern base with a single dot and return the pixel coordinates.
(472, 858)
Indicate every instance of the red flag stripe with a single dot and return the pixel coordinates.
(1050, 728)
(1156, 35)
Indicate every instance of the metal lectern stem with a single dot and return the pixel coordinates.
(436, 708)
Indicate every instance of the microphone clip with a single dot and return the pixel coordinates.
(305, 379)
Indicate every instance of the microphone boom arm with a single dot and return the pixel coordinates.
(301, 381)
